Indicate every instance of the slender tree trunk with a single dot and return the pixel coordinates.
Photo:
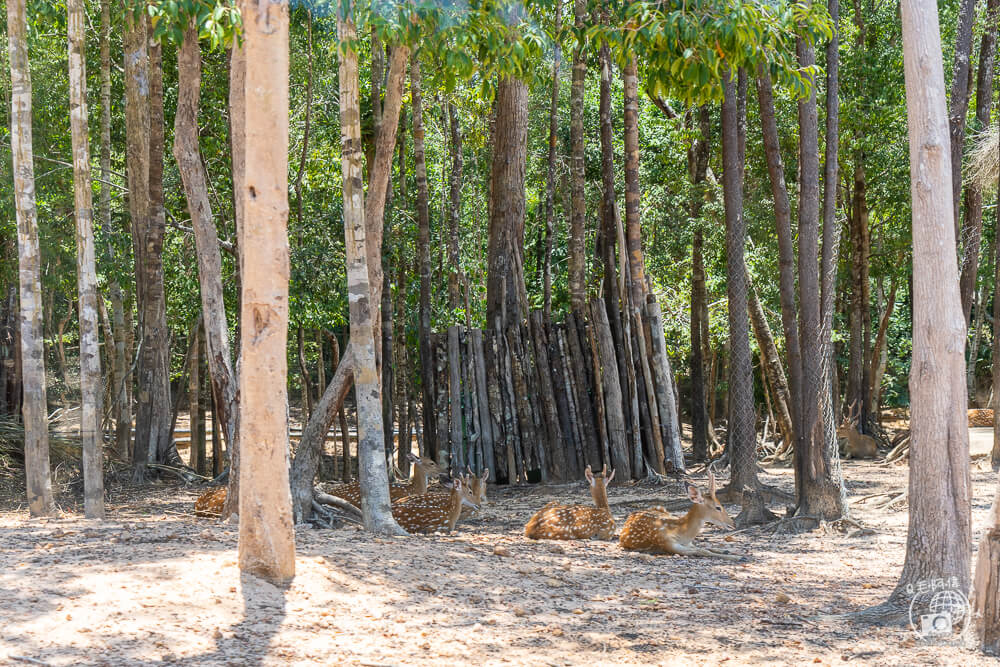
(91, 411)
(986, 585)
(972, 227)
(578, 205)
(786, 249)
(455, 276)
(195, 460)
(267, 537)
(427, 370)
(633, 225)
(187, 152)
(995, 452)
(959, 102)
(774, 372)
(506, 302)
(550, 170)
(877, 367)
(699, 294)
(372, 470)
(820, 488)
(939, 538)
(34, 407)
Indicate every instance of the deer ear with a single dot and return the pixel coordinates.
(694, 494)
(610, 477)
(486, 474)
(589, 475)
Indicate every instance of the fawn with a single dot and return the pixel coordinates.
(209, 504)
(429, 512)
(656, 531)
(477, 485)
(859, 445)
(422, 469)
(576, 522)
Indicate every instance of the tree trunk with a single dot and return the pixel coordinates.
(506, 303)
(34, 407)
(786, 249)
(187, 152)
(267, 537)
(195, 454)
(995, 452)
(742, 421)
(939, 537)
(578, 207)
(633, 225)
(958, 111)
(860, 306)
(698, 165)
(820, 488)
(550, 171)
(427, 370)
(300, 339)
(985, 593)
(372, 472)
(972, 227)
(877, 367)
(773, 370)
(454, 212)
(91, 412)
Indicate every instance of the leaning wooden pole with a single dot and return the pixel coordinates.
(267, 537)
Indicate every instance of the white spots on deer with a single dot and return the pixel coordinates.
(576, 522)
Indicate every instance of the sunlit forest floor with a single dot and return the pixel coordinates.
(155, 585)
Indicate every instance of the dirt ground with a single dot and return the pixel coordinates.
(154, 585)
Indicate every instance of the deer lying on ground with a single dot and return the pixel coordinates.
(654, 530)
(422, 469)
(477, 485)
(576, 522)
(209, 504)
(859, 445)
(429, 512)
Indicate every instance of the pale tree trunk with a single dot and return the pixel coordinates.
(423, 259)
(959, 102)
(137, 153)
(34, 407)
(995, 452)
(818, 482)
(189, 163)
(698, 164)
(986, 585)
(972, 226)
(237, 142)
(877, 367)
(455, 277)
(267, 537)
(91, 433)
(505, 292)
(120, 396)
(375, 508)
(550, 170)
(195, 458)
(939, 538)
(578, 205)
(633, 225)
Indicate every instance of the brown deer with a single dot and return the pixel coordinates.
(209, 504)
(654, 530)
(859, 445)
(477, 485)
(429, 512)
(576, 522)
(422, 469)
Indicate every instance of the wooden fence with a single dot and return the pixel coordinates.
(540, 401)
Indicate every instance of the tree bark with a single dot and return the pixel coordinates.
(550, 170)
(773, 370)
(424, 259)
(372, 471)
(986, 585)
(633, 225)
(34, 407)
(860, 305)
(959, 102)
(939, 537)
(91, 412)
(698, 166)
(455, 277)
(267, 537)
(972, 227)
(506, 302)
(876, 368)
(578, 206)
(187, 152)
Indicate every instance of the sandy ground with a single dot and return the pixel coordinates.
(154, 585)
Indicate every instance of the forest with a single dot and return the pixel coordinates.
(319, 321)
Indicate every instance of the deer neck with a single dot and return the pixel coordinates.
(454, 509)
(419, 482)
(600, 495)
(692, 523)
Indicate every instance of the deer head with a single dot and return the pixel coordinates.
(708, 508)
(599, 485)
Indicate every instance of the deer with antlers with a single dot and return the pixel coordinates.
(429, 512)
(859, 445)
(655, 531)
(576, 522)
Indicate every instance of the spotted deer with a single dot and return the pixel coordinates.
(859, 445)
(654, 530)
(429, 512)
(576, 522)
(477, 485)
(422, 469)
(209, 504)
